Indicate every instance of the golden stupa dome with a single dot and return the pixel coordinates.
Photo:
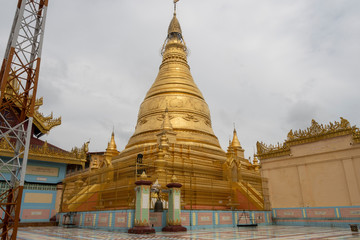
(175, 93)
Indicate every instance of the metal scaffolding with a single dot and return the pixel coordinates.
(19, 77)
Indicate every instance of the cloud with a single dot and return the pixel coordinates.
(301, 112)
(267, 66)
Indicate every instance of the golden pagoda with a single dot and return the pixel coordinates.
(174, 136)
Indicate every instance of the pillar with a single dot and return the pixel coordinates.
(142, 206)
(174, 213)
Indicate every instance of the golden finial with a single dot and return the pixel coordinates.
(174, 26)
(235, 141)
(143, 176)
(174, 33)
(173, 179)
(175, 1)
(112, 144)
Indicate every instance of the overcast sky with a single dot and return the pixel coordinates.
(266, 65)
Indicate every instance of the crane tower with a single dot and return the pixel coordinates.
(19, 79)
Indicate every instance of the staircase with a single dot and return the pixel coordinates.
(253, 196)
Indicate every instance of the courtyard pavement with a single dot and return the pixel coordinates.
(260, 232)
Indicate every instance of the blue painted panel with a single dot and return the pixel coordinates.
(158, 229)
(337, 221)
(49, 206)
(40, 178)
(43, 178)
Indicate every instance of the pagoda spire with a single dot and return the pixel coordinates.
(174, 105)
(111, 150)
(175, 1)
(235, 142)
(112, 145)
(174, 36)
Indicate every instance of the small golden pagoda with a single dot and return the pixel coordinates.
(173, 136)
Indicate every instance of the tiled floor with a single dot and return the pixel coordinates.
(261, 232)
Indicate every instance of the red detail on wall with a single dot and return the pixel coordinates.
(185, 219)
(225, 218)
(320, 213)
(205, 218)
(350, 212)
(120, 219)
(289, 213)
(103, 220)
(89, 219)
(204, 207)
(259, 217)
(35, 214)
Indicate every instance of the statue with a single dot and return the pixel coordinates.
(344, 123)
(86, 147)
(290, 135)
